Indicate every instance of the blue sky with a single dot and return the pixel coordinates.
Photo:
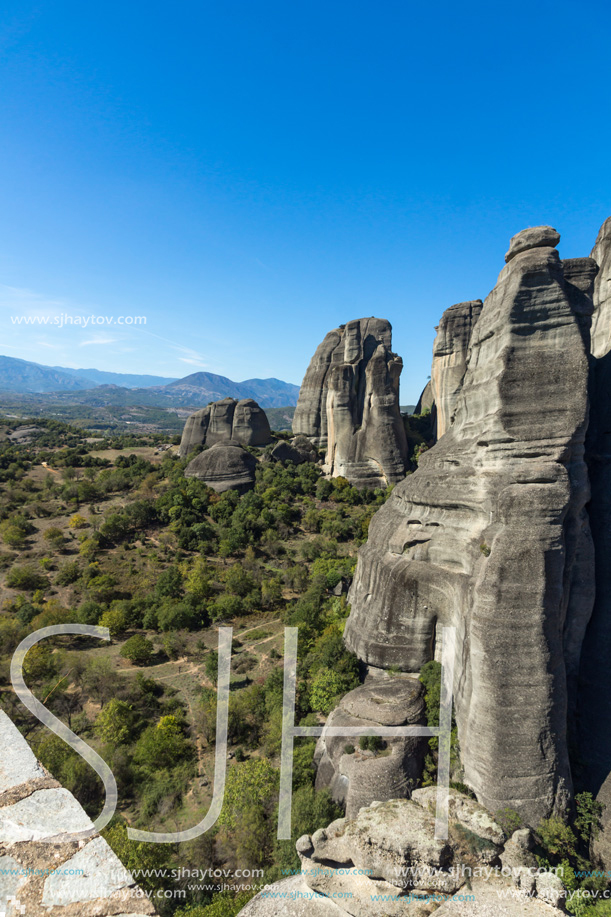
(250, 175)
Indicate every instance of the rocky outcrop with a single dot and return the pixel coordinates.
(43, 870)
(490, 535)
(227, 421)
(298, 451)
(387, 861)
(224, 468)
(349, 401)
(450, 359)
(357, 777)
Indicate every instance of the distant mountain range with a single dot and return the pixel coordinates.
(194, 391)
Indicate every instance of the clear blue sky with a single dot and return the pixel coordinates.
(249, 175)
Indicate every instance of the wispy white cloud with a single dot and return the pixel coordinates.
(97, 340)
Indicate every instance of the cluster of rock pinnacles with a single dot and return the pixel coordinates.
(503, 531)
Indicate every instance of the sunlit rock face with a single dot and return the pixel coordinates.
(450, 359)
(227, 421)
(349, 402)
(491, 535)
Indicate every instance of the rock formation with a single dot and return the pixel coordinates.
(226, 421)
(224, 467)
(450, 359)
(426, 401)
(349, 401)
(491, 535)
(387, 861)
(42, 871)
(298, 451)
(357, 778)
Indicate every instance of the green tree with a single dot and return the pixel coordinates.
(138, 650)
(163, 745)
(115, 722)
(255, 780)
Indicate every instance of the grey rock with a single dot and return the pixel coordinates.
(492, 898)
(10, 880)
(518, 850)
(450, 351)
(550, 888)
(465, 811)
(490, 535)
(226, 421)
(534, 237)
(426, 400)
(393, 841)
(94, 872)
(290, 898)
(358, 779)
(358, 894)
(349, 401)
(17, 763)
(43, 815)
(224, 467)
(298, 451)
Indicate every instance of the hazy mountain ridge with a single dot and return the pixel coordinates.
(195, 390)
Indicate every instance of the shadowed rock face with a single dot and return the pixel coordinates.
(224, 467)
(226, 421)
(490, 535)
(450, 358)
(594, 734)
(349, 401)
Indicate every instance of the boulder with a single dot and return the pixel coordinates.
(356, 778)
(224, 467)
(450, 351)
(349, 401)
(534, 237)
(298, 451)
(393, 842)
(491, 535)
(226, 421)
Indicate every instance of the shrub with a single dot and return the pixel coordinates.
(26, 577)
(68, 574)
(138, 650)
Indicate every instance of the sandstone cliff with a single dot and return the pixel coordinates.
(491, 535)
(226, 421)
(349, 401)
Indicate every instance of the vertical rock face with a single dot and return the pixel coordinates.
(594, 735)
(450, 358)
(490, 535)
(226, 421)
(349, 400)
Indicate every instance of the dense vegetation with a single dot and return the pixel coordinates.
(110, 532)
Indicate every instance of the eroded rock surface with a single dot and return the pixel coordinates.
(450, 351)
(357, 778)
(224, 467)
(349, 401)
(491, 535)
(226, 421)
